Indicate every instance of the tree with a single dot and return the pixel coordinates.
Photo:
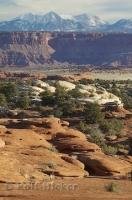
(111, 127)
(24, 102)
(92, 113)
(127, 100)
(47, 98)
(68, 107)
(9, 90)
(61, 95)
(3, 101)
(75, 93)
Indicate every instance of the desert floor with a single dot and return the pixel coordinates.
(71, 189)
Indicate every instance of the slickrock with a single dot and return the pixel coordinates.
(38, 147)
(2, 143)
(104, 165)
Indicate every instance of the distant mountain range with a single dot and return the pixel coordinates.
(54, 22)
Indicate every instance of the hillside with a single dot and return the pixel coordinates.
(38, 48)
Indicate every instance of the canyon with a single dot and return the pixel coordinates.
(21, 49)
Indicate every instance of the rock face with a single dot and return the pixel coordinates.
(33, 149)
(2, 143)
(103, 165)
(38, 48)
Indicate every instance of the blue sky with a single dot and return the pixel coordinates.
(107, 9)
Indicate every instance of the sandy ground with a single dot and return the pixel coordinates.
(68, 189)
(112, 75)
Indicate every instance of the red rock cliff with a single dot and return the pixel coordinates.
(37, 48)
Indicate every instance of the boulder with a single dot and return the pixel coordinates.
(111, 137)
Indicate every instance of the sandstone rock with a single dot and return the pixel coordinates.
(31, 147)
(3, 129)
(68, 173)
(2, 143)
(20, 49)
(111, 137)
(10, 168)
(75, 145)
(104, 165)
(72, 161)
(26, 138)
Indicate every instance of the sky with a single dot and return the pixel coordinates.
(109, 10)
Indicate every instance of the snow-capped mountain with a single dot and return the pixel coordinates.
(123, 25)
(54, 22)
(91, 21)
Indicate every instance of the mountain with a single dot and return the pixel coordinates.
(90, 22)
(123, 25)
(37, 48)
(53, 22)
(65, 23)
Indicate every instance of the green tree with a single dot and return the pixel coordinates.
(10, 90)
(47, 98)
(92, 113)
(61, 95)
(68, 107)
(24, 102)
(75, 93)
(3, 101)
(111, 127)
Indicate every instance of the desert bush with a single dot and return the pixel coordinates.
(92, 113)
(47, 98)
(111, 127)
(3, 101)
(112, 187)
(84, 127)
(97, 137)
(109, 150)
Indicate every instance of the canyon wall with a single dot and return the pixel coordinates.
(38, 48)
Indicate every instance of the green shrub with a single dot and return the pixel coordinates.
(83, 127)
(3, 101)
(92, 113)
(112, 187)
(109, 150)
(111, 127)
(47, 98)
(97, 137)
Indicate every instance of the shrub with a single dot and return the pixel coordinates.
(23, 101)
(75, 93)
(112, 187)
(68, 108)
(3, 101)
(92, 113)
(109, 150)
(61, 95)
(47, 98)
(97, 137)
(58, 112)
(83, 127)
(111, 127)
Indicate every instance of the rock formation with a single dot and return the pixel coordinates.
(38, 48)
(36, 148)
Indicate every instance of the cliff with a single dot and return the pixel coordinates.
(38, 48)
